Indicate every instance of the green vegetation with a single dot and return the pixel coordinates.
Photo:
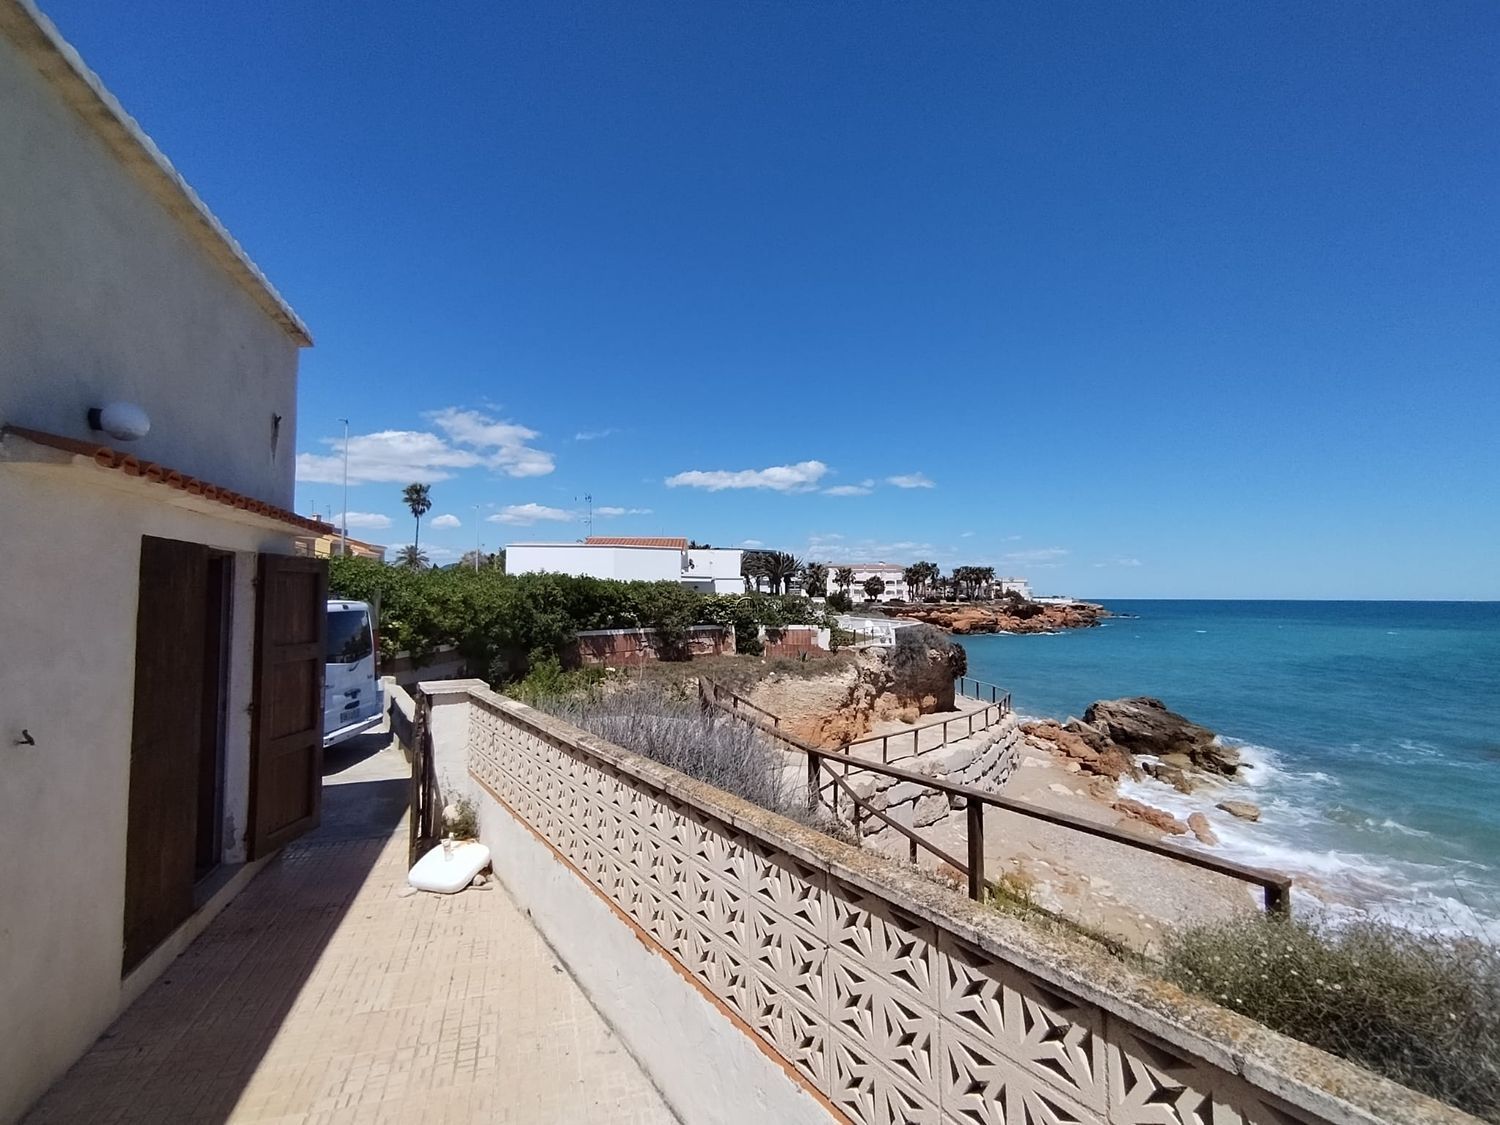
(874, 586)
(505, 624)
(1420, 1008)
(412, 557)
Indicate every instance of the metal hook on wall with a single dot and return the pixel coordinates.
(25, 739)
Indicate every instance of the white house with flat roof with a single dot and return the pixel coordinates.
(633, 559)
(161, 690)
(892, 574)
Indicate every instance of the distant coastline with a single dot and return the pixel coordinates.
(1005, 615)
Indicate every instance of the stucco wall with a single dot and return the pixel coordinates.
(107, 298)
(70, 555)
(648, 564)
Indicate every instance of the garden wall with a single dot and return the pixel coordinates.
(617, 648)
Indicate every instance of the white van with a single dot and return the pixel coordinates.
(351, 693)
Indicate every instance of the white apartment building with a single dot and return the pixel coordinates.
(892, 574)
(632, 559)
(1013, 586)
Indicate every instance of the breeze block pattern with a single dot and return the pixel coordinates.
(889, 1016)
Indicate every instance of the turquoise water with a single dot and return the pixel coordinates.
(1374, 726)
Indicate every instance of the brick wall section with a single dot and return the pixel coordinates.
(624, 648)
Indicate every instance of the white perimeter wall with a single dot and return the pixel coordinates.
(108, 299)
(70, 556)
(646, 564)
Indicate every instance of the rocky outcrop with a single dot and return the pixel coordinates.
(924, 664)
(1142, 725)
(1199, 825)
(1085, 746)
(1157, 819)
(1245, 810)
(1003, 616)
(841, 702)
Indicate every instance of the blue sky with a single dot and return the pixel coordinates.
(1156, 300)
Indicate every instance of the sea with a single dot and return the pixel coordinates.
(1372, 729)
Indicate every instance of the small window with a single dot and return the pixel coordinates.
(349, 638)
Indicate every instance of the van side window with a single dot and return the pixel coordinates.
(348, 636)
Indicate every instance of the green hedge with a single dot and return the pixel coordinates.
(503, 623)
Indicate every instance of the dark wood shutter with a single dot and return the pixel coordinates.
(287, 731)
(166, 727)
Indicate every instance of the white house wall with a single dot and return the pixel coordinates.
(646, 564)
(118, 303)
(68, 677)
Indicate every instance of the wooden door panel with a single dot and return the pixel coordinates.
(166, 729)
(290, 641)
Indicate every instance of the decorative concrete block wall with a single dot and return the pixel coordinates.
(892, 999)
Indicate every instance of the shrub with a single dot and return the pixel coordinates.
(1420, 1008)
(547, 682)
(669, 726)
(913, 644)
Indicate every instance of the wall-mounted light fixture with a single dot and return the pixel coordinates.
(121, 420)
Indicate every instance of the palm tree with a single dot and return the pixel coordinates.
(419, 503)
(815, 580)
(780, 567)
(753, 569)
(411, 557)
(844, 578)
(874, 587)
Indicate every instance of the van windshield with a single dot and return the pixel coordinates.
(348, 636)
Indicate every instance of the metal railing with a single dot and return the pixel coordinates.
(971, 688)
(1275, 887)
(965, 721)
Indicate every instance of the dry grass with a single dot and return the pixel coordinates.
(740, 674)
(666, 724)
(1420, 1008)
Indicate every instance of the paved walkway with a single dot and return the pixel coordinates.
(326, 992)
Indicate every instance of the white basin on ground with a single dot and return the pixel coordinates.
(449, 867)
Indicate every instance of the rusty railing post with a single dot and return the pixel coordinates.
(814, 775)
(885, 748)
(975, 811)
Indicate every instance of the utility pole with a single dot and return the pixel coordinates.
(588, 522)
(344, 526)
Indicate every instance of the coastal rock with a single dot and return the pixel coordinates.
(1143, 725)
(1158, 819)
(1245, 810)
(929, 810)
(1005, 616)
(1170, 775)
(1201, 829)
(1109, 761)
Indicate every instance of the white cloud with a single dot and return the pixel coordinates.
(847, 490)
(966, 535)
(505, 442)
(752, 543)
(532, 513)
(622, 511)
(469, 440)
(801, 477)
(368, 521)
(1037, 556)
(1119, 562)
(446, 521)
(911, 480)
(594, 435)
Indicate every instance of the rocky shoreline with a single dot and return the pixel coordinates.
(1004, 616)
(1136, 737)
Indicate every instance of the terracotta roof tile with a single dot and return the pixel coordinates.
(636, 541)
(130, 465)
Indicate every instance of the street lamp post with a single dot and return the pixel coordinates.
(344, 525)
(477, 545)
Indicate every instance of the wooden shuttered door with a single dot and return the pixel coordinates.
(166, 729)
(287, 730)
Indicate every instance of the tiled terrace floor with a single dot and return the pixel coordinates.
(323, 993)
